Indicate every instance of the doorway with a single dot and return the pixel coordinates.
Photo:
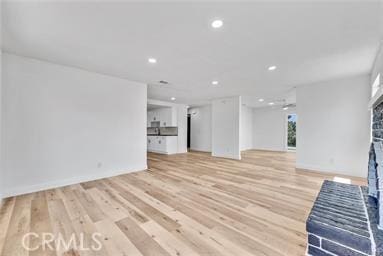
(291, 132)
(188, 136)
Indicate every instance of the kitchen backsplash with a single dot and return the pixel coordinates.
(164, 131)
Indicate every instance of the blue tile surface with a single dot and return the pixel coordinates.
(339, 215)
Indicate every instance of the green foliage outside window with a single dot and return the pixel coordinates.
(291, 132)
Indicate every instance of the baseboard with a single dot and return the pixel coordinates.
(162, 152)
(61, 183)
(270, 150)
(326, 170)
(316, 168)
(200, 150)
(228, 156)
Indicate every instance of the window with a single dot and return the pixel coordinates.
(291, 131)
(375, 85)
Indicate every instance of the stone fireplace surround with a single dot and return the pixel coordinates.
(348, 219)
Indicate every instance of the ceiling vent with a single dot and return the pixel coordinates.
(160, 84)
(163, 82)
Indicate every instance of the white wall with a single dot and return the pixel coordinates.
(182, 123)
(270, 128)
(226, 115)
(1, 88)
(378, 65)
(333, 128)
(64, 125)
(200, 130)
(246, 135)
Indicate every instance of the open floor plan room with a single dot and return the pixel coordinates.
(182, 205)
(147, 128)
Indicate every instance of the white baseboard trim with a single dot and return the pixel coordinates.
(270, 149)
(227, 156)
(313, 168)
(167, 153)
(318, 168)
(328, 170)
(61, 183)
(200, 150)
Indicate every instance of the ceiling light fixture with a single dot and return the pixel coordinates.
(217, 23)
(271, 103)
(261, 100)
(152, 60)
(285, 108)
(173, 98)
(214, 83)
(271, 68)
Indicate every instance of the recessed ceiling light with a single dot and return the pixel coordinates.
(271, 68)
(217, 23)
(261, 100)
(152, 60)
(285, 108)
(173, 98)
(214, 83)
(271, 103)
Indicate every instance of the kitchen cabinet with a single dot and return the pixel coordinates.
(154, 143)
(153, 116)
(149, 118)
(162, 144)
(164, 115)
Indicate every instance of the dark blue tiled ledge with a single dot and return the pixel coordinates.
(339, 220)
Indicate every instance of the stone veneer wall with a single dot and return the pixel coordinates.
(375, 166)
(338, 222)
(347, 220)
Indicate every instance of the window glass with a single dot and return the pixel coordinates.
(375, 85)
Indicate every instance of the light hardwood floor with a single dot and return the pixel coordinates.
(186, 204)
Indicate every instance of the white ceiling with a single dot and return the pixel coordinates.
(308, 41)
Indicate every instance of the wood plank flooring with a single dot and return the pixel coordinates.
(186, 204)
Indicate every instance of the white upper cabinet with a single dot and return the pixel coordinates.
(164, 115)
(150, 117)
